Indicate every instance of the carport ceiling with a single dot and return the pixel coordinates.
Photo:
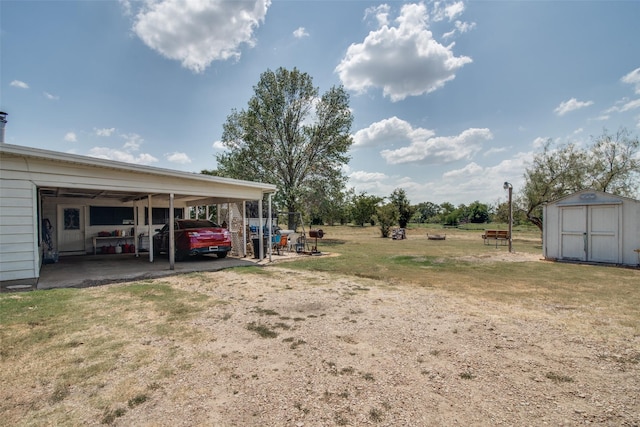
(125, 196)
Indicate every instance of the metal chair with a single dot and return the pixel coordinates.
(292, 241)
(283, 243)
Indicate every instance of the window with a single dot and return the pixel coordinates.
(161, 215)
(72, 219)
(110, 215)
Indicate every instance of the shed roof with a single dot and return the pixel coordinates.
(590, 197)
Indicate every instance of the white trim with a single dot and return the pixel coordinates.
(122, 166)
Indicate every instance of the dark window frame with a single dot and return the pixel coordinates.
(161, 215)
(111, 215)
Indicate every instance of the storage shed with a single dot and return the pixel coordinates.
(592, 226)
(66, 201)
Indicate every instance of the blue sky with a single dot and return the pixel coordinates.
(450, 99)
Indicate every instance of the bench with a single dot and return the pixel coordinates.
(495, 235)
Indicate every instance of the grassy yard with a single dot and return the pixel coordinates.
(66, 344)
(462, 264)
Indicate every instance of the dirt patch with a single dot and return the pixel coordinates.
(290, 348)
(502, 256)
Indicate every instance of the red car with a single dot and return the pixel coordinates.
(194, 237)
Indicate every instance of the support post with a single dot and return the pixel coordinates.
(508, 186)
(270, 228)
(260, 232)
(136, 243)
(150, 221)
(172, 236)
(244, 228)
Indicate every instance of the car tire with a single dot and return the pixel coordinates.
(222, 254)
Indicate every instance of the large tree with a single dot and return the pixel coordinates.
(332, 208)
(614, 163)
(426, 211)
(386, 216)
(610, 164)
(363, 208)
(289, 136)
(405, 210)
(478, 213)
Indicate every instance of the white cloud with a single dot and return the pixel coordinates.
(621, 106)
(404, 61)
(571, 105)
(50, 96)
(454, 10)
(375, 183)
(442, 11)
(631, 105)
(300, 33)
(122, 156)
(494, 150)
(218, 145)
(387, 132)
(19, 84)
(128, 153)
(471, 182)
(460, 27)
(126, 7)
(633, 78)
(381, 14)
(133, 141)
(181, 158)
(71, 137)
(198, 32)
(539, 142)
(362, 176)
(104, 131)
(475, 182)
(470, 170)
(442, 149)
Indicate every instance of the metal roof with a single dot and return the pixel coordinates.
(130, 181)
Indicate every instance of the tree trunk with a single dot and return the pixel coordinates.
(291, 219)
(536, 221)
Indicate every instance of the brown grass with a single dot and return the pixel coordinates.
(463, 265)
(108, 350)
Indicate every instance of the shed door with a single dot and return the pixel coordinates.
(590, 233)
(573, 231)
(603, 233)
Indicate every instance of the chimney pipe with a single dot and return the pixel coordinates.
(3, 122)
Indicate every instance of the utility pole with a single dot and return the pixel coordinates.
(508, 186)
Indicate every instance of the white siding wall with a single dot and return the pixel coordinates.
(19, 258)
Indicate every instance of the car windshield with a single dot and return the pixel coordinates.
(197, 224)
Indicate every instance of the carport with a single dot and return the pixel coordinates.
(77, 198)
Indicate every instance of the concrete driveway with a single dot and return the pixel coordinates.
(94, 270)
